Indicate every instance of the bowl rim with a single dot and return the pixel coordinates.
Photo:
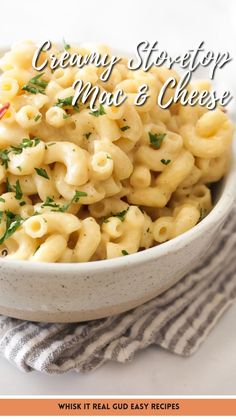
(220, 209)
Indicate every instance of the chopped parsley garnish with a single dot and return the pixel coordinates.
(41, 172)
(76, 198)
(66, 102)
(165, 162)
(13, 222)
(8, 186)
(22, 203)
(156, 139)
(63, 208)
(17, 189)
(125, 128)
(4, 157)
(99, 112)
(65, 45)
(2, 200)
(36, 85)
(121, 215)
(26, 142)
(124, 252)
(49, 202)
(14, 188)
(37, 117)
(87, 135)
(78, 195)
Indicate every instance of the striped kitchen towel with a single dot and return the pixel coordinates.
(179, 320)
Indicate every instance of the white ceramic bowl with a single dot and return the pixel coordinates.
(77, 292)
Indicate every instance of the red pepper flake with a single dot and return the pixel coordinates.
(4, 109)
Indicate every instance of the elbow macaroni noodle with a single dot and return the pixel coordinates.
(78, 185)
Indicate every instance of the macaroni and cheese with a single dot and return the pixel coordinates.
(78, 185)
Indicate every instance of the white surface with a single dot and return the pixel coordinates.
(177, 26)
(212, 370)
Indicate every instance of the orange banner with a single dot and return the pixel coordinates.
(118, 407)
